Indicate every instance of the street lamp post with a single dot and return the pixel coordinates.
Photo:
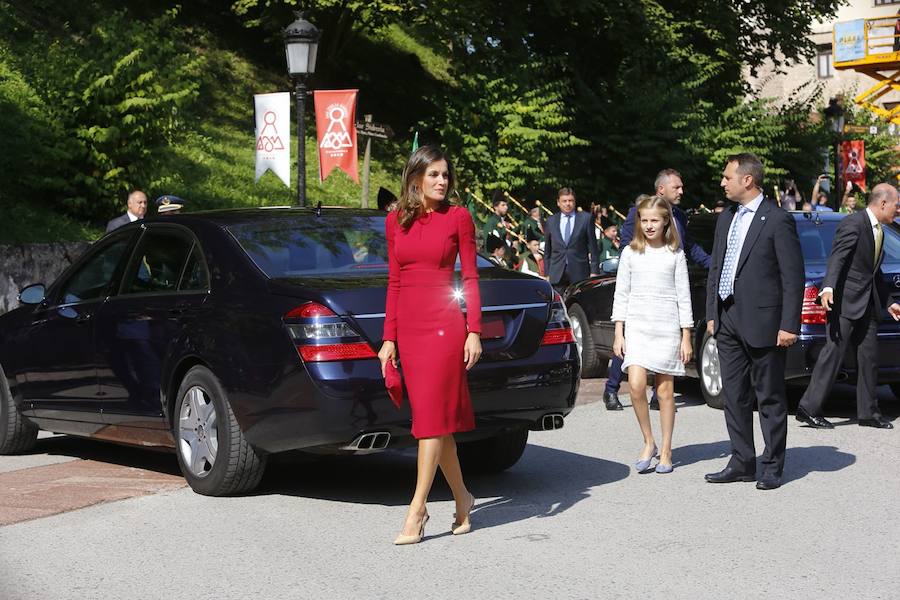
(835, 112)
(301, 44)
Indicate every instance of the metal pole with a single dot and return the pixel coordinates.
(300, 96)
(365, 181)
(366, 159)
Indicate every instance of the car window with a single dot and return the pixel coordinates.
(92, 279)
(816, 238)
(891, 245)
(196, 274)
(161, 258)
(702, 229)
(333, 245)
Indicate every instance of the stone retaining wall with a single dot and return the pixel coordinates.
(33, 263)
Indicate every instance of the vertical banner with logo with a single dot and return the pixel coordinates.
(273, 135)
(853, 162)
(336, 131)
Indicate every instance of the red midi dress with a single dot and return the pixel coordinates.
(424, 319)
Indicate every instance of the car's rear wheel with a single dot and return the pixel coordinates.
(710, 373)
(17, 434)
(493, 454)
(592, 364)
(214, 456)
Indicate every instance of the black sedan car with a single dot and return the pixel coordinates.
(232, 335)
(590, 303)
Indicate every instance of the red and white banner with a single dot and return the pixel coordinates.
(336, 132)
(273, 135)
(853, 162)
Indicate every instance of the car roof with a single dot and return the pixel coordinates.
(816, 215)
(234, 216)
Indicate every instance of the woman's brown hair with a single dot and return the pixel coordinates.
(410, 205)
(670, 231)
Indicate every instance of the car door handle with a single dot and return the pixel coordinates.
(179, 308)
(84, 318)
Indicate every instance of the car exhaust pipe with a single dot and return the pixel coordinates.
(550, 422)
(369, 442)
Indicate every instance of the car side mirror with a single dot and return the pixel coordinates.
(33, 294)
(609, 266)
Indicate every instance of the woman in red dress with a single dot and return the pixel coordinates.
(423, 320)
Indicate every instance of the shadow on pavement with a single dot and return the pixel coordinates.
(544, 483)
(694, 453)
(160, 461)
(800, 462)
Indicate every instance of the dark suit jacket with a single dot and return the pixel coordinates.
(858, 282)
(692, 250)
(118, 222)
(769, 277)
(580, 257)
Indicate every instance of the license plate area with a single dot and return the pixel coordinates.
(492, 327)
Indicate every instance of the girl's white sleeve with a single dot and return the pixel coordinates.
(683, 291)
(623, 286)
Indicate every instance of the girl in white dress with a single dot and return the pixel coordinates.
(653, 317)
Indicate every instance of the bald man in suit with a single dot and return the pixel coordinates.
(854, 293)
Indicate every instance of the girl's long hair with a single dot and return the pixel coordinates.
(411, 203)
(670, 231)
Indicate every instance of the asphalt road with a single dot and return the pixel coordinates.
(570, 520)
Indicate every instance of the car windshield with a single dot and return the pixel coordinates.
(308, 246)
(815, 239)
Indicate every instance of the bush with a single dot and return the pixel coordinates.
(115, 93)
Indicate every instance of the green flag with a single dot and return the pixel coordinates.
(415, 142)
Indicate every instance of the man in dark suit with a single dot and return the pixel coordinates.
(571, 252)
(669, 186)
(854, 292)
(137, 209)
(754, 298)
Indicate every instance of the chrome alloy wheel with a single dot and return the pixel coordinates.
(198, 433)
(578, 335)
(709, 367)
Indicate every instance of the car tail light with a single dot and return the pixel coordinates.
(812, 312)
(559, 330)
(322, 336)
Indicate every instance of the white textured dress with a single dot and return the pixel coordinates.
(653, 298)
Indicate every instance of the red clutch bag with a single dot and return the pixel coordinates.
(394, 383)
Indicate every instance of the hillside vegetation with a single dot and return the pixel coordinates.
(100, 97)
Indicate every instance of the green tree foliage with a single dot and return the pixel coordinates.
(785, 138)
(114, 91)
(527, 95)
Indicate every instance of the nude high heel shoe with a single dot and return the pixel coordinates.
(403, 540)
(466, 526)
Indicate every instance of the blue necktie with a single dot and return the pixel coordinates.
(726, 280)
(568, 230)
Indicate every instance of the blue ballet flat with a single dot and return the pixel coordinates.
(643, 464)
(661, 468)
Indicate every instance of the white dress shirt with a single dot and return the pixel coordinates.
(746, 220)
(131, 217)
(562, 225)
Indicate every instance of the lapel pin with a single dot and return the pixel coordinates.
(762, 218)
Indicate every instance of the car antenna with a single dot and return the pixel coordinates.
(319, 209)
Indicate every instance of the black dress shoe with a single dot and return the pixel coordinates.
(813, 421)
(768, 484)
(878, 423)
(729, 475)
(611, 400)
